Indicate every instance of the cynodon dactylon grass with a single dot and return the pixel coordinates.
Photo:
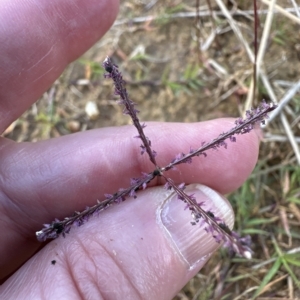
(210, 222)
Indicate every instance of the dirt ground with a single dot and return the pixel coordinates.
(172, 80)
(166, 75)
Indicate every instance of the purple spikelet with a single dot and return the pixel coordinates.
(120, 90)
(200, 216)
(212, 224)
(243, 126)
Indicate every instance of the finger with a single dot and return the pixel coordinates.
(38, 39)
(142, 249)
(68, 173)
(52, 179)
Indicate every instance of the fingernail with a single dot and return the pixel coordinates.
(192, 242)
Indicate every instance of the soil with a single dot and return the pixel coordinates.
(166, 74)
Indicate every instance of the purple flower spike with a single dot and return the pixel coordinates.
(201, 215)
(120, 90)
(242, 126)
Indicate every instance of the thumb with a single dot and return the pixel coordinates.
(145, 248)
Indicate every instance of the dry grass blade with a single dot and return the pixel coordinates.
(283, 118)
(284, 101)
(261, 53)
(184, 15)
(284, 12)
(296, 8)
(236, 29)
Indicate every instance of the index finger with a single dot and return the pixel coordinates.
(38, 39)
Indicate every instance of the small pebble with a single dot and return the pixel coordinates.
(92, 110)
(73, 126)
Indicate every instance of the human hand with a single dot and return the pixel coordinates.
(143, 248)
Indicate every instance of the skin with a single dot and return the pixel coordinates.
(49, 179)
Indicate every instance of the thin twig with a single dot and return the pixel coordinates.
(284, 101)
(236, 29)
(278, 138)
(193, 15)
(265, 37)
(260, 54)
(284, 121)
(283, 11)
(296, 8)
